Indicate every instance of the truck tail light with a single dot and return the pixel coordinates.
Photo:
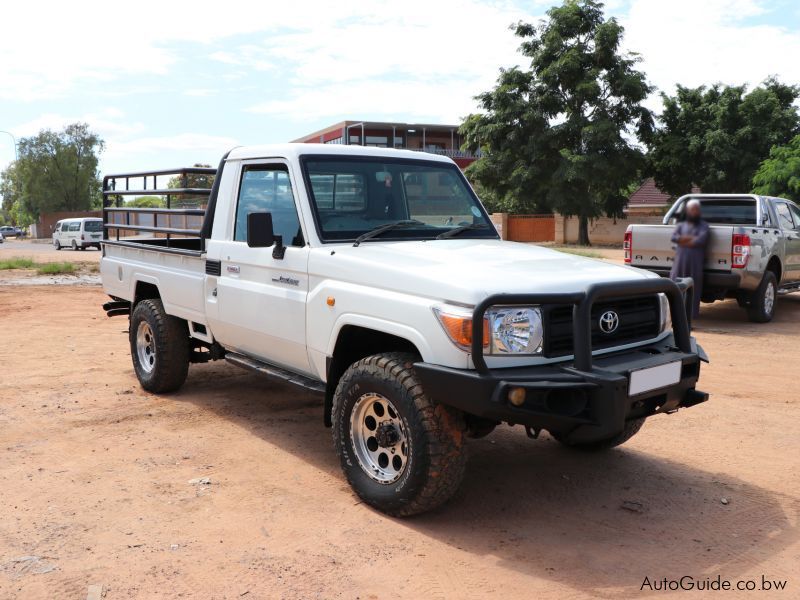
(740, 250)
(627, 246)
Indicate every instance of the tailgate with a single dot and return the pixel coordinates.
(653, 249)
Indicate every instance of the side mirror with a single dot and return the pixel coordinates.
(261, 235)
(259, 230)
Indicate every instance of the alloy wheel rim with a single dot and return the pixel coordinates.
(769, 298)
(379, 438)
(146, 347)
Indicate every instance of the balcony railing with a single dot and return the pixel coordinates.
(449, 152)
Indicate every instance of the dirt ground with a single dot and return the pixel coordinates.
(98, 482)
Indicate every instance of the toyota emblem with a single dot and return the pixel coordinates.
(609, 321)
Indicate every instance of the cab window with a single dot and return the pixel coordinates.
(795, 214)
(267, 188)
(784, 215)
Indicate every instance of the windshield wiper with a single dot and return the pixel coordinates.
(459, 230)
(385, 227)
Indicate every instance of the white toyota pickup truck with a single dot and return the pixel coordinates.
(376, 278)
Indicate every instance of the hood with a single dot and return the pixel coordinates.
(464, 271)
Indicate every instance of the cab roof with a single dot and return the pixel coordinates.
(295, 150)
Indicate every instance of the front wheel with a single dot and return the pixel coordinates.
(762, 302)
(401, 452)
(57, 244)
(159, 347)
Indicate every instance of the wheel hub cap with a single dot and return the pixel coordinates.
(379, 438)
(769, 299)
(146, 347)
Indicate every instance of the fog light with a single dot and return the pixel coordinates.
(516, 396)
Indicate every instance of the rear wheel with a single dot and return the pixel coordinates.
(74, 245)
(159, 347)
(762, 302)
(630, 429)
(401, 452)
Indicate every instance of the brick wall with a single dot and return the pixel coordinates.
(602, 230)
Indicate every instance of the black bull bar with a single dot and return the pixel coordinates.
(679, 293)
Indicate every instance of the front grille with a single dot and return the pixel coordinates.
(639, 320)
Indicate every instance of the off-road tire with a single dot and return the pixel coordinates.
(436, 457)
(630, 429)
(759, 310)
(171, 341)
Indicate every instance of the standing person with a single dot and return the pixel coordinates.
(691, 236)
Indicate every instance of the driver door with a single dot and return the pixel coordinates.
(261, 299)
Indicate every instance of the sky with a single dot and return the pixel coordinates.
(169, 84)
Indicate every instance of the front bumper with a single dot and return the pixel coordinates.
(580, 406)
(588, 399)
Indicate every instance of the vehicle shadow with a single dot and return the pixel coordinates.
(598, 523)
(727, 317)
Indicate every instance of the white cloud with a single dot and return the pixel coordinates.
(110, 123)
(695, 43)
(200, 142)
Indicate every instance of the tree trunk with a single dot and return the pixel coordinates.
(583, 231)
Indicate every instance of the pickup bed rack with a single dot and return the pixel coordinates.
(173, 229)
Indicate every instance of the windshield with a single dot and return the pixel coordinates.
(93, 226)
(352, 196)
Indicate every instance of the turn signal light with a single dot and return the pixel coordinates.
(740, 250)
(627, 246)
(459, 329)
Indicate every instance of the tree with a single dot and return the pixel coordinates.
(716, 137)
(559, 135)
(57, 171)
(146, 202)
(192, 181)
(779, 175)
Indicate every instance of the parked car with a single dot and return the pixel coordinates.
(9, 231)
(78, 233)
(753, 253)
(376, 278)
(2, 239)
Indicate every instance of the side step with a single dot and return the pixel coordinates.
(789, 289)
(264, 368)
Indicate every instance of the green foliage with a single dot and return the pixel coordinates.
(779, 175)
(16, 263)
(193, 181)
(56, 268)
(716, 137)
(56, 171)
(558, 135)
(146, 202)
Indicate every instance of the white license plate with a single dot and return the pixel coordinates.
(653, 378)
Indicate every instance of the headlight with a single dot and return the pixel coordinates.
(666, 315)
(515, 330)
(507, 330)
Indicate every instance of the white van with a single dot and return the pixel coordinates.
(78, 233)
